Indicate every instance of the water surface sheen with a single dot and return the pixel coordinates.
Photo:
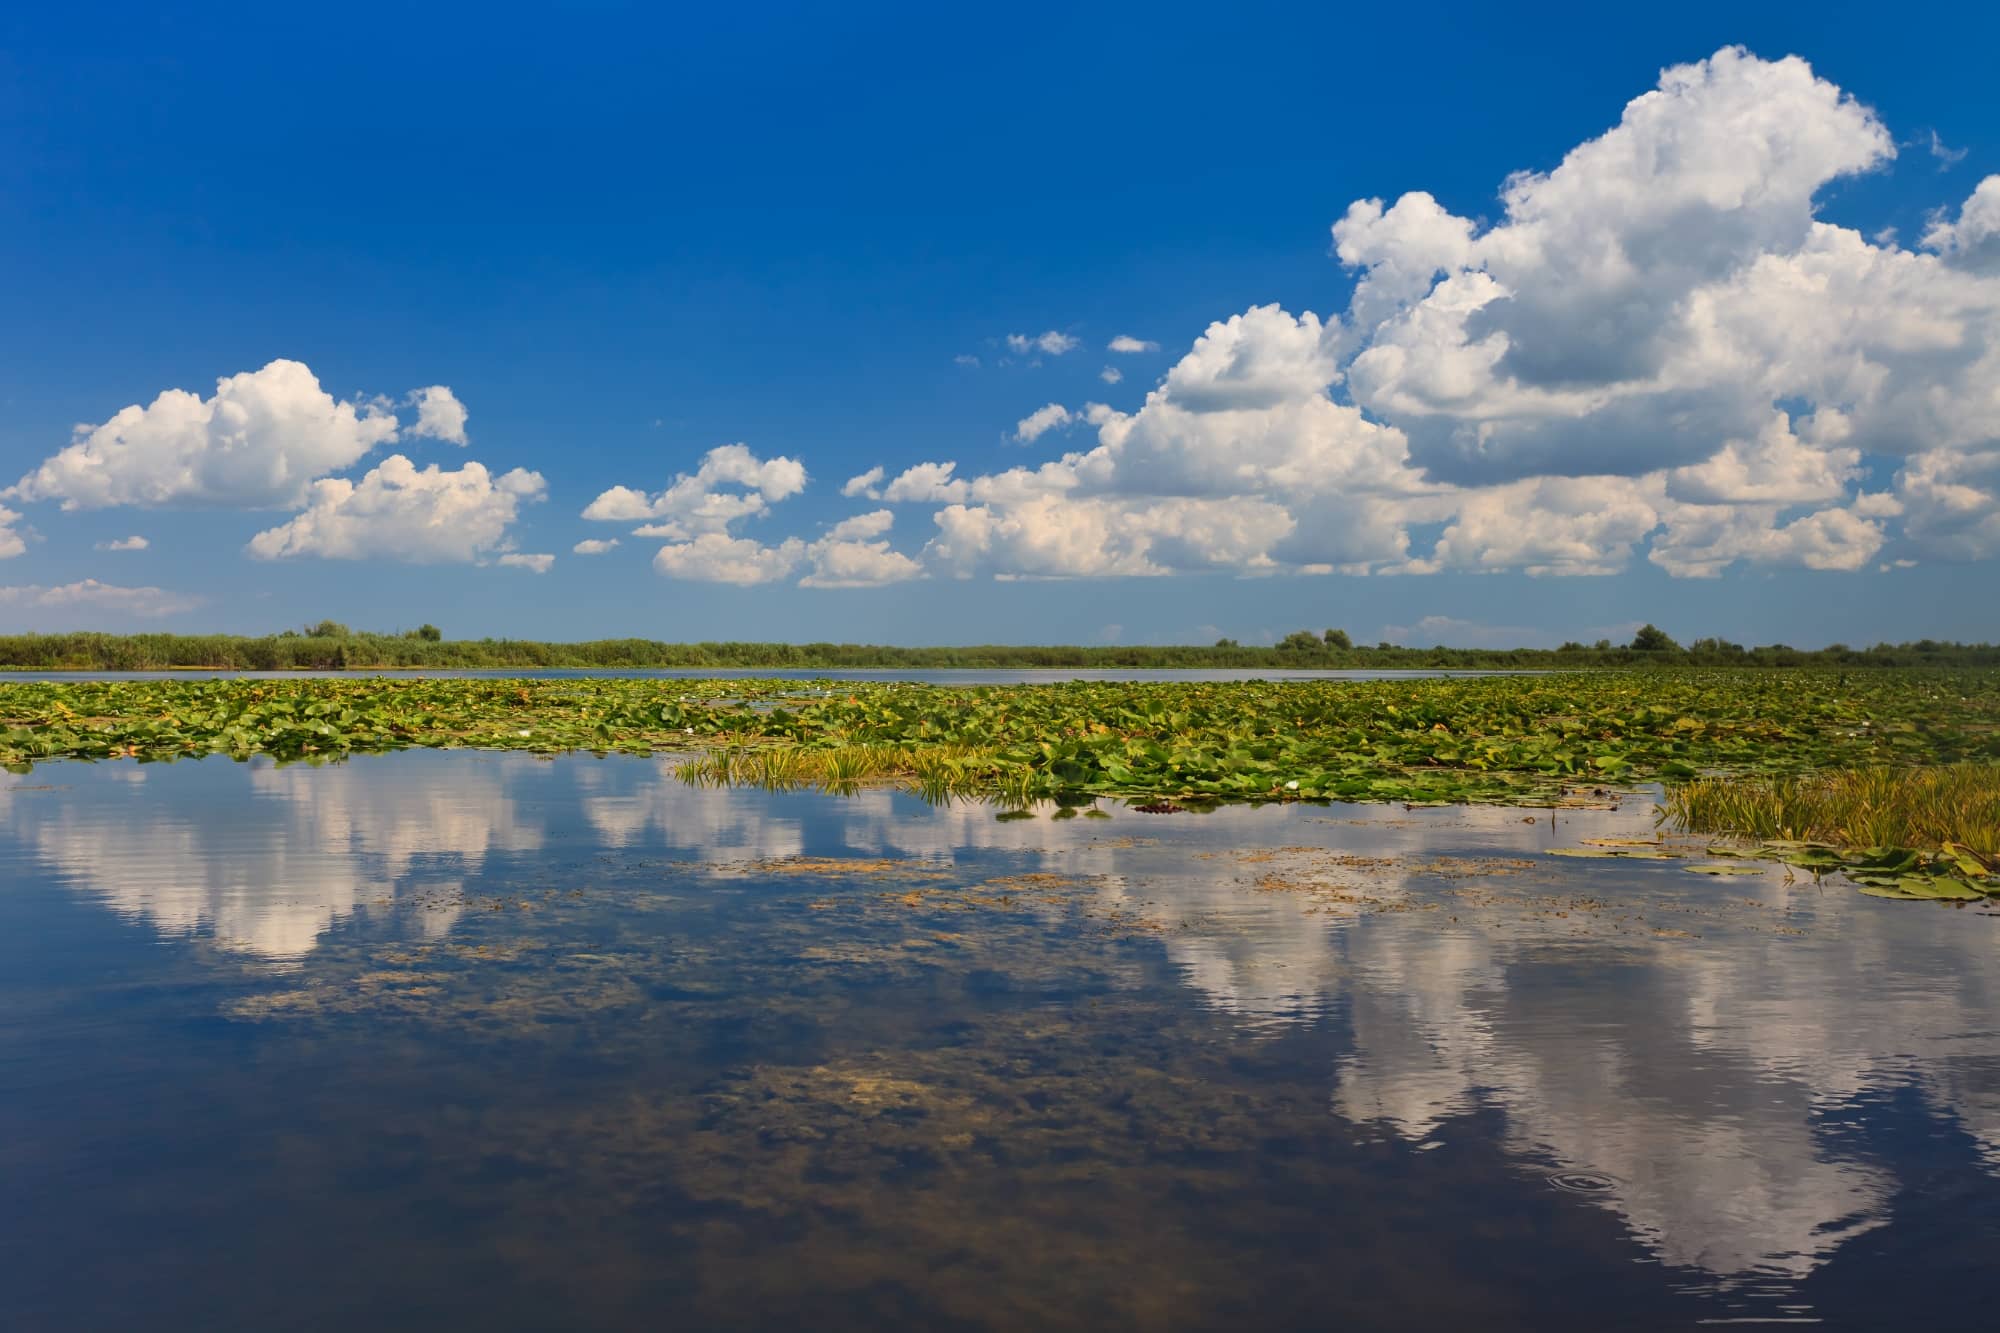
(460, 1039)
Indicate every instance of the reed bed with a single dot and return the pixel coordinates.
(937, 772)
(1957, 804)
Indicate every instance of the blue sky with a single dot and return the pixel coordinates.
(1723, 359)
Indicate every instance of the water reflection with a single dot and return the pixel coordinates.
(1713, 1062)
(265, 860)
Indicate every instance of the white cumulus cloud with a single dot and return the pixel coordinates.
(132, 543)
(256, 443)
(1972, 241)
(716, 557)
(1951, 502)
(398, 511)
(924, 482)
(539, 564)
(1658, 350)
(1702, 541)
(862, 527)
(440, 416)
(1041, 421)
(854, 553)
(593, 546)
(729, 484)
(868, 484)
(1127, 345)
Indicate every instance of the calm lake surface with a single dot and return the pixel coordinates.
(460, 1040)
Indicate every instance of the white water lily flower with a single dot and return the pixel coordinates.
(1293, 785)
(524, 732)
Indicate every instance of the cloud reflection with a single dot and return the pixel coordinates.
(267, 860)
(1700, 1078)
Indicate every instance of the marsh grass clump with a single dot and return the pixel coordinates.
(939, 772)
(1929, 807)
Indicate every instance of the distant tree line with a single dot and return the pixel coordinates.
(330, 645)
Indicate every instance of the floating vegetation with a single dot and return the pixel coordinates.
(1507, 739)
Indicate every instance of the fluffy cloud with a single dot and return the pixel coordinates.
(256, 443)
(1665, 306)
(1041, 421)
(1655, 351)
(1259, 359)
(716, 557)
(696, 503)
(1658, 348)
(869, 483)
(398, 511)
(1213, 472)
(11, 542)
(90, 595)
(1951, 502)
(1973, 241)
(1052, 343)
(593, 546)
(1051, 536)
(132, 543)
(853, 554)
(440, 416)
(1550, 525)
(539, 564)
(862, 527)
(926, 482)
(1703, 540)
(1775, 468)
(1111, 374)
(1581, 330)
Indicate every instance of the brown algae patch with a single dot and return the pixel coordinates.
(834, 867)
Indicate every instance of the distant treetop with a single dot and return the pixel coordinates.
(1653, 639)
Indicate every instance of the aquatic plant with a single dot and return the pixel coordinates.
(945, 770)
(1926, 832)
(1500, 738)
(1926, 807)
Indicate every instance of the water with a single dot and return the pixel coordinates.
(954, 676)
(461, 1040)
